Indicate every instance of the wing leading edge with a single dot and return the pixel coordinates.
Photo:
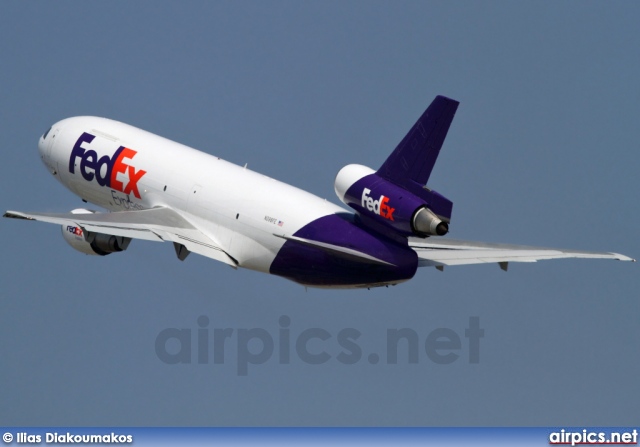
(157, 224)
(443, 252)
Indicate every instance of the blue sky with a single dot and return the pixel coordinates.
(543, 151)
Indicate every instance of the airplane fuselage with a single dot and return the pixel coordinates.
(122, 168)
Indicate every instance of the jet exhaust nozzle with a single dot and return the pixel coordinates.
(425, 222)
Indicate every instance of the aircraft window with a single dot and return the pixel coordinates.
(44, 137)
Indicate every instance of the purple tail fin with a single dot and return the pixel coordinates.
(413, 159)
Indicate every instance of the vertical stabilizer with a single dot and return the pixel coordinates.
(413, 159)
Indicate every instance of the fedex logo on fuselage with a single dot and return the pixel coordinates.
(105, 169)
(379, 207)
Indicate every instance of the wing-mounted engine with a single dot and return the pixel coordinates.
(389, 205)
(92, 243)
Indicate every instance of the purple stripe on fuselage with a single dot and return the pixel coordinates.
(317, 267)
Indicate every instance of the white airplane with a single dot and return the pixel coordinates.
(159, 190)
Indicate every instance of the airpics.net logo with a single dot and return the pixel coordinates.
(282, 344)
(592, 437)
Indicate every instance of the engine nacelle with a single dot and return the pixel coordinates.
(92, 243)
(387, 204)
(426, 222)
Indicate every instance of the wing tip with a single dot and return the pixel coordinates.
(620, 257)
(16, 215)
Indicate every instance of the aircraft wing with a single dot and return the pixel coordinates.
(156, 224)
(441, 252)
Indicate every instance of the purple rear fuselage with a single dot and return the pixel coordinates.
(314, 266)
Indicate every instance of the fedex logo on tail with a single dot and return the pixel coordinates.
(379, 207)
(106, 169)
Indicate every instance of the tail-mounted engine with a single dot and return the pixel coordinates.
(395, 197)
(92, 243)
(387, 204)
